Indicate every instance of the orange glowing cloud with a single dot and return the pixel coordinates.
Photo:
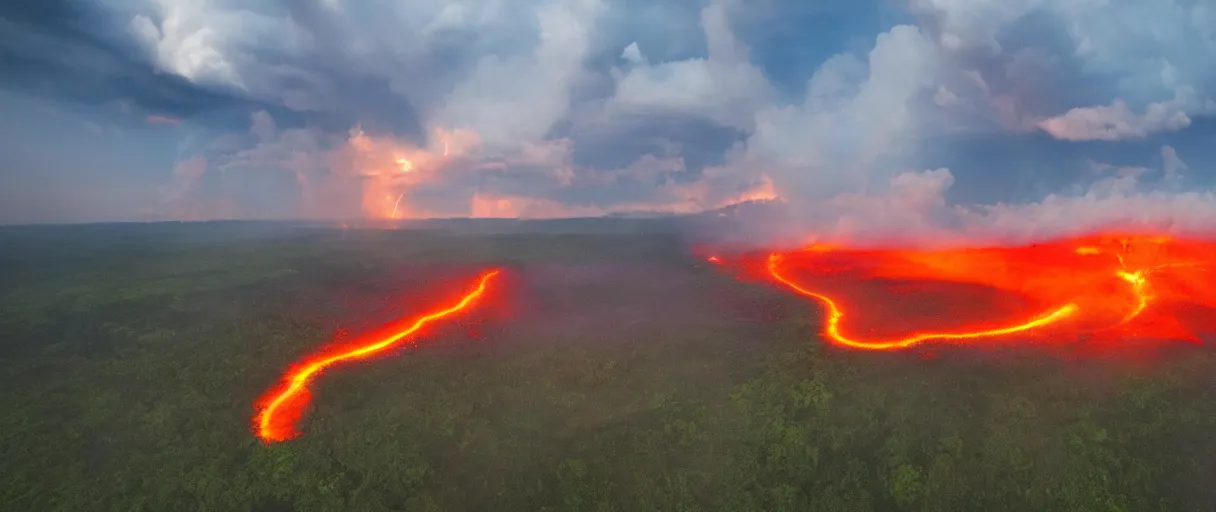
(762, 191)
(390, 170)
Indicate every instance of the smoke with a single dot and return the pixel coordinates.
(563, 108)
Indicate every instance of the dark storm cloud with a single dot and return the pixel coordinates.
(1038, 67)
(68, 50)
(357, 88)
(75, 51)
(620, 139)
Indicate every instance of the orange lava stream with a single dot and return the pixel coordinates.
(1106, 287)
(835, 315)
(283, 406)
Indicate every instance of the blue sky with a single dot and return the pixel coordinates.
(1027, 117)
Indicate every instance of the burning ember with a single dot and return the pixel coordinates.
(1102, 288)
(283, 406)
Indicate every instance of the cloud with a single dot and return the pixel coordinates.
(520, 97)
(183, 44)
(853, 115)
(1173, 166)
(724, 86)
(1117, 121)
(912, 210)
(332, 109)
(1181, 214)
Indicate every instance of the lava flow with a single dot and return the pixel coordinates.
(1102, 288)
(283, 406)
(835, 314)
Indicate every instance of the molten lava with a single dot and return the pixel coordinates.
(1103, 287)
(835, 315)
(283, 406)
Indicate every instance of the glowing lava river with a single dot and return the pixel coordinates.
(1105, 288)
(282, 407)
(1110, 288)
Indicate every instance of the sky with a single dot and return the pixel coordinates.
(886, 118)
